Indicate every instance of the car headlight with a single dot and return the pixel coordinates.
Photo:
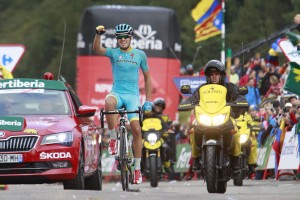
(64, 138)
(219, 119)
(205, 120)
(152, 138)
(243, 138)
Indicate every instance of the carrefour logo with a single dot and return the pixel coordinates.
(22, 84)
(146, 39)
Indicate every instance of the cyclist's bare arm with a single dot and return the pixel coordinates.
(147, 79)
(97, 47)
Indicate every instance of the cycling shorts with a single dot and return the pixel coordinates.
(129, 101)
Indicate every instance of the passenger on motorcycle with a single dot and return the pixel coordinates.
(169, 147)
(215, 73)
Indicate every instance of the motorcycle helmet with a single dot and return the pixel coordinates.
(217, 66)
(160, 102)
(123, 29)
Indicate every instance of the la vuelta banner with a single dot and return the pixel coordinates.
(156, 32)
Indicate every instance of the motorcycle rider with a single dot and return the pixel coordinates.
(169, 146)
(249, 125)
(255, 126)
(215, 73)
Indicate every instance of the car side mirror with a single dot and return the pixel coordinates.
(86, 111)
(243, 90)
(185, 89)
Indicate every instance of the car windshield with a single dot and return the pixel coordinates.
(33, 102)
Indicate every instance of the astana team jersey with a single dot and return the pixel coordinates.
(125, 69)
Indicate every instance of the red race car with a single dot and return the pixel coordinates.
(47, 135)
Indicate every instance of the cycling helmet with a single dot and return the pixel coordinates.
(123, 29)
(215, 65)
(253, 107)
(160, 102)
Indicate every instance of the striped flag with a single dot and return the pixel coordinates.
(208, 16)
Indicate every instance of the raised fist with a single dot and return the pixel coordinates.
(100, 30)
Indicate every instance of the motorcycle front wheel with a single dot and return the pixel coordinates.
(211, 172)
(153, 172)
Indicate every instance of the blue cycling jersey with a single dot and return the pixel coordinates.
(125, 69)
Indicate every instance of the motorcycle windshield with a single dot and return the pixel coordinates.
(152, 123)
(212, 97)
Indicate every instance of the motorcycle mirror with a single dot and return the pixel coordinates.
(243, 90)
(185, 89)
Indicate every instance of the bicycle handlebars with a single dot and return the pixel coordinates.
(121, 112)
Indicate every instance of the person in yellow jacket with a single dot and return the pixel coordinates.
(215, 73)
(249, 125)
(5, 75)
(255, 126)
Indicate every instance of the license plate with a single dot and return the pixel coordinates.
(11, 158)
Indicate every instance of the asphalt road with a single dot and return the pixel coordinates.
(173, 190)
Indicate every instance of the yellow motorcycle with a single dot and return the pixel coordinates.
(213, 132)
(152, 133)
(243, 123)
(249, 128)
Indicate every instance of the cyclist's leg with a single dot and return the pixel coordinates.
(132, 103)
(112, 102)
(137, 149)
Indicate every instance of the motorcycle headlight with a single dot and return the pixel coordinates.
(152, 138)
(214, 121)
(64, 138)
(219, 119)
(205, 120)
(243, 138)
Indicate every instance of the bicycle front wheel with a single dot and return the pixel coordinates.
(123, 160)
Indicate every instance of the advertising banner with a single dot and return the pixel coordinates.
(183, 156)
(289, 157)
(290, 51)
(193, 81)
(264, 154)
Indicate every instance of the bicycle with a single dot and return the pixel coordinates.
(123, 156)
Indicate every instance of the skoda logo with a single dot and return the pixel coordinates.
(2, 134)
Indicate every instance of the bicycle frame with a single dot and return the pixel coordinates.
(123, 157)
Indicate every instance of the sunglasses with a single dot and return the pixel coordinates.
(119, 37)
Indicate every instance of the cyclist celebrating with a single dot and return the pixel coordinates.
(126, 62)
